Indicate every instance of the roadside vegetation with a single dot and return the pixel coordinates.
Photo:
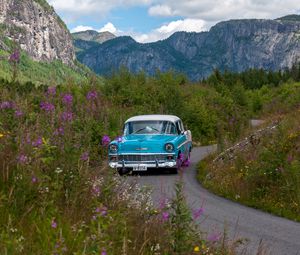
(57, 195)
(265, 174)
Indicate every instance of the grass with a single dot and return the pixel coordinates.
(265, 174)
(57, 195)
(42, 72)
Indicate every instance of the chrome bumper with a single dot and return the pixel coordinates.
(168, 164)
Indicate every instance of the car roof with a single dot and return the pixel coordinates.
(158, 117)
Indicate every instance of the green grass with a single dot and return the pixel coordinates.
(42, 72)
(265, 175)
(57, 195)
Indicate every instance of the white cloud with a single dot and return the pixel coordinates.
(81, 28)
(160, 10)
(100, 8)
(195, 15)
(163, 32)
(207, 10)
(109, 27)
(217, 10)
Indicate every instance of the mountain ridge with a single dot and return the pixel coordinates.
(235, 45)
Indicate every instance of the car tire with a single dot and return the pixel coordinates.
(122, 171)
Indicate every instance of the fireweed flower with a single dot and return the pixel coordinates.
(91, 95)
(84, 156)
(15, 56)
(197, 213)
(38, 142)
(33, 179)
(95, 191)
(101, 210)
(163, 203)
(180, 156)
(53, 223)
(67, 116)
(59, 131)
(103, 252)
(47, 107)
(51, 91)
(165, 216)
(119, 139)
(22, 159)
(214, 237)
(18, 113)
(6, 105)
(105, 140)
(67, 99)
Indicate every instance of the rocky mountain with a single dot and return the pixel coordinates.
(39, 31)
(91, 35)
(235, 45)
(90, 38)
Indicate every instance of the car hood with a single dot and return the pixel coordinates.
(145, 143)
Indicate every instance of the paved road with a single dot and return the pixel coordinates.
(282, 236)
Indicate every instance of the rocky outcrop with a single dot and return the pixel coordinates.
(39, 31)
(94, 36)
(88, 39)
(234, 45)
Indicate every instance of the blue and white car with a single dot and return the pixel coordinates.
(151, 141)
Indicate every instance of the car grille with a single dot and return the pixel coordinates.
(142, 158)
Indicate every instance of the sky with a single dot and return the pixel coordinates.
(153, 20)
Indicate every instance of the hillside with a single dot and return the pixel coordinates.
(235, 45)
(33, 30)
(38, 30)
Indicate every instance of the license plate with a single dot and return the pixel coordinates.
(140, 168)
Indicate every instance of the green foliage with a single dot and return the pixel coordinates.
(57, 195)
(264, 175)
(182, 226)
(42, 72)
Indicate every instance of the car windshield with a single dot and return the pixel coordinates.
(149, 127)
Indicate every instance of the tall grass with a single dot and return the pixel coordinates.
(266, 174)
(57, 195)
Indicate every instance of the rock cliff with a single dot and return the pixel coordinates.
(39, 31)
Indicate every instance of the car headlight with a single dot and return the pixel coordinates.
(113, 148)
(169, 147)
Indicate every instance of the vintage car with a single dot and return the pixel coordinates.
(151, 141)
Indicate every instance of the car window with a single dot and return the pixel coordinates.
(178, 127)
(149, 127)
(181, 126)
(170, 128)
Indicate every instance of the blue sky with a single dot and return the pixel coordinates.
(152, 20)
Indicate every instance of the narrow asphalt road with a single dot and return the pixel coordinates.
(281, 236)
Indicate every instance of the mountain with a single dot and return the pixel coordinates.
(235, 45)
(91, 35)
(39, 31)
(90, 38)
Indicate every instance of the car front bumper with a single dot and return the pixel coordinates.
(167, 164)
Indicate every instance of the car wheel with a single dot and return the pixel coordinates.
(123, 171)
